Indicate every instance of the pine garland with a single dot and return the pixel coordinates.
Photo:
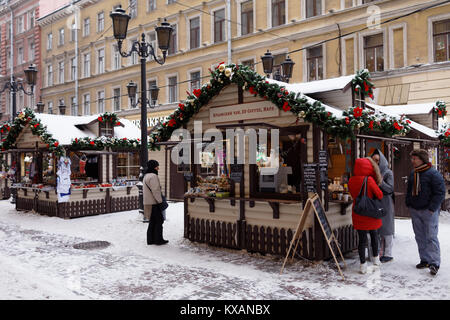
(444, 134)
(103, 142)
(440, 109)
(354, 119)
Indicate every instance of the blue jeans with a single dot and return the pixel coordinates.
(425, 225)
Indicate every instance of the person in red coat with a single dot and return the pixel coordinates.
(366, 167)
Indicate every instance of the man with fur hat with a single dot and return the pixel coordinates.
(425, 194)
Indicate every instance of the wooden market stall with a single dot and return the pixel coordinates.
(237, 206)
(103, 154)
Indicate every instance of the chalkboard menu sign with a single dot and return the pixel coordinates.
(236, 171)
(323, 169)
(309, 177)
(322, 217)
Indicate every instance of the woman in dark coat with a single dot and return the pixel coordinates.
(386, 231)
(366, 167)
(152, 200)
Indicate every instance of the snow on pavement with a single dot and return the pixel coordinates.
(38, 261)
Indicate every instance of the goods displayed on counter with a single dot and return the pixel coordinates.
(218, 187)
(339, 191)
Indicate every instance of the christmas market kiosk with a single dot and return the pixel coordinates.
(68, 166)
(246, 195)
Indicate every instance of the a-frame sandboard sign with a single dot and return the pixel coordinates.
(313, 203)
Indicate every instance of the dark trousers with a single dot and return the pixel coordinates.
(362, 245)
(155, 228)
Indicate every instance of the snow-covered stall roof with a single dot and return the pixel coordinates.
(311, 87)
(410, 109)
(65, 128)
(299, 87)
(389, 110)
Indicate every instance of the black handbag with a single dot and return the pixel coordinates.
(163, 205)
(366, 206)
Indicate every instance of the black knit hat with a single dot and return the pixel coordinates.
(151, 165)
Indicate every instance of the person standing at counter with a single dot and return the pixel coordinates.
(152, 199)
(425, 194)
(366, 167)
(387, 229)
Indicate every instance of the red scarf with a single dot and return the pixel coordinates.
(422, 168)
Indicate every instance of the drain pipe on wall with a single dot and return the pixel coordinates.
(229, 30)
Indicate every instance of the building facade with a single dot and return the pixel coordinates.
(404, 43)
(20, 46)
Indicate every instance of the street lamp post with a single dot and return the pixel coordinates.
(144, 50)
(16, 86)
(287, 67)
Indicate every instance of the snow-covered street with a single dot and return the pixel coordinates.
(38, 261)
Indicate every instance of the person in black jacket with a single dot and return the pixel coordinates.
(425, 194)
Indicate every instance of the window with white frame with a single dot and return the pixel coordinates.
(173, 41)
(171, 1)
(87, 65)
(441, 40)
(61, 36)
(173, 89)
(246, 17)
(249, 63)
(152, 40)
(61, 72)
(128, 165)
(21, 101)
(149, 86)
(31, 19)
(73, 69)
(100, 21)
(50, 107)
(87, 104)
(20, 24)
(8, 30)
(314, 61)
(374, 52)
(132, 101)
(194, 33)
(31, 52)
(133, 8)
(73, 107)
(116, 99)
(100, 61)
(313, 8)
(219, 25)
(20, 55)
(277, 60)
(101, 101)
(73, 31)
(117, 63)
(49, 75)
(278, 12)
(86, 27)
(195, 82)
(134, 54)
(151, 5)
(8, 58)
(49, 41)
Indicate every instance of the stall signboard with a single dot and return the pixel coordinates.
(313, 204)
(245, 111)
(236, 171)
(323, 169)
(310, 176)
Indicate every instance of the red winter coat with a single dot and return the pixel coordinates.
(365, 167)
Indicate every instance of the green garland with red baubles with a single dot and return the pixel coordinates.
(27, 117)
(355, 119)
